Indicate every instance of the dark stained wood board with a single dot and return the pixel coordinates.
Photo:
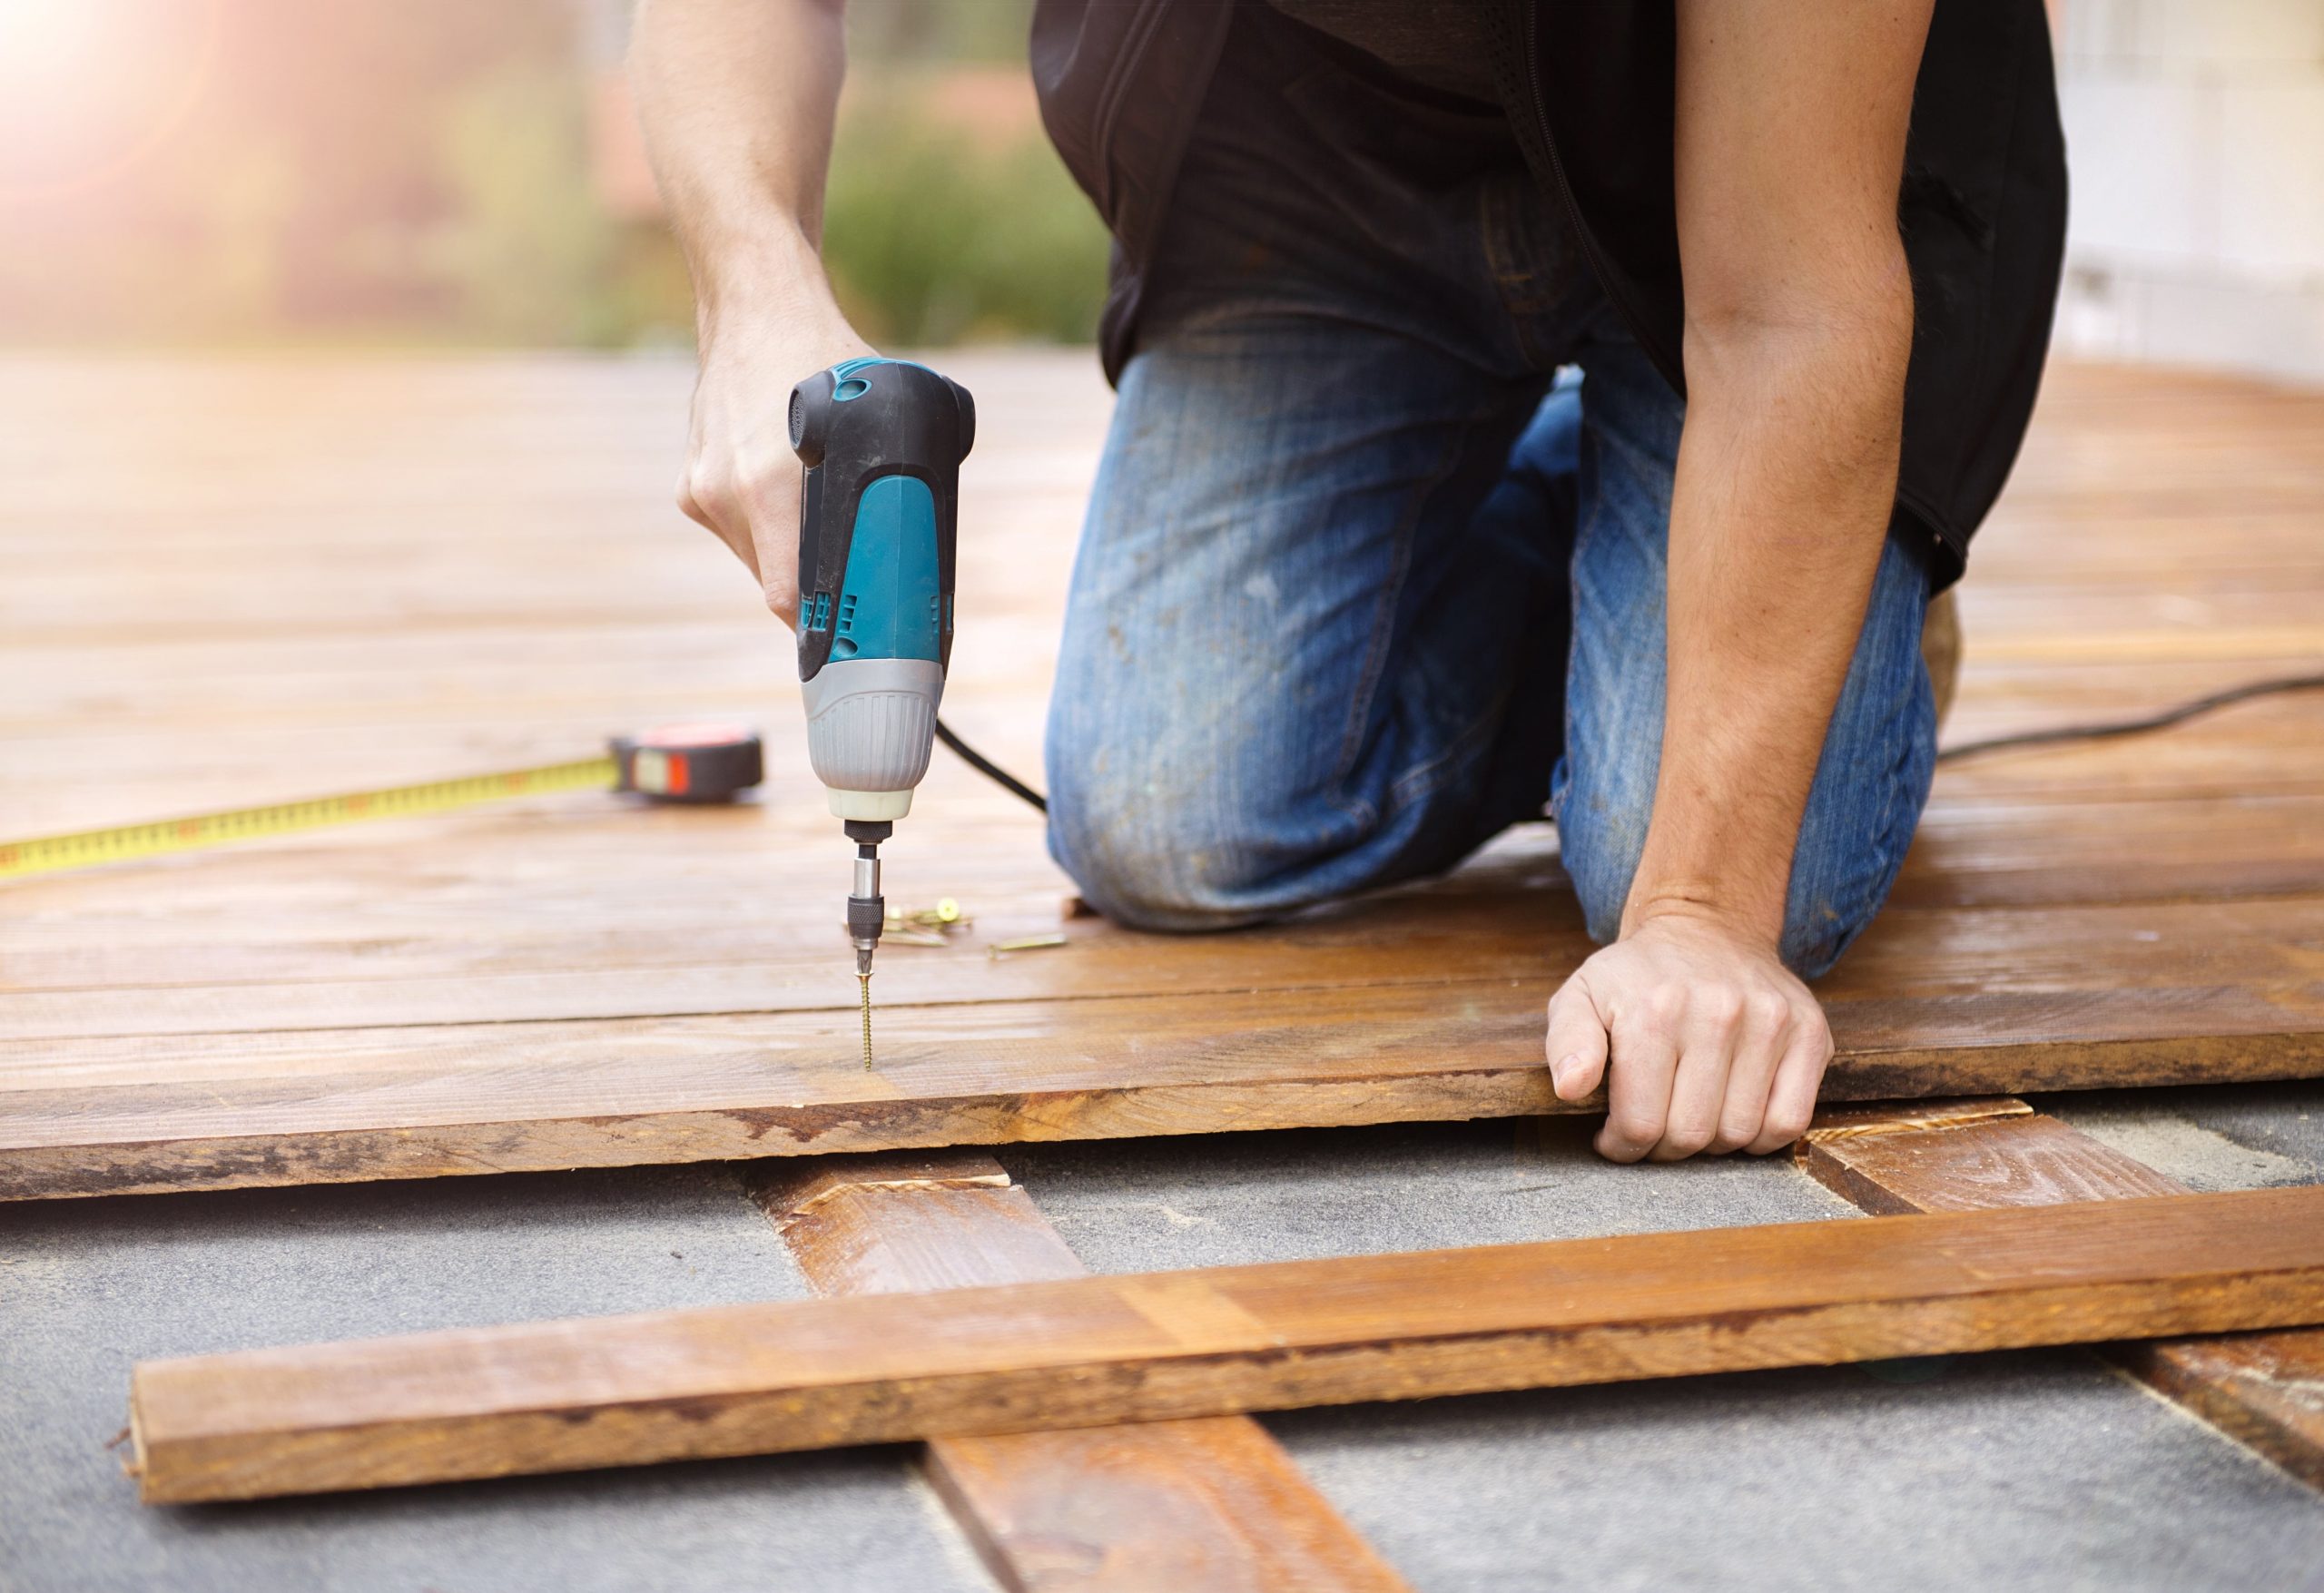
(2265, 1389)
(1210, 1502)
(804, 1374)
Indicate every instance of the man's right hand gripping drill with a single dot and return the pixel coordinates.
(737, 97)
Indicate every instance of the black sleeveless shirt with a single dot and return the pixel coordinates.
(1589, 88)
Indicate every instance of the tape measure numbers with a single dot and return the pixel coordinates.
(683, 763)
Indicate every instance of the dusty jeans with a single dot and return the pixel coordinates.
(1364, 580)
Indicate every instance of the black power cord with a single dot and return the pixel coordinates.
(2031, 738)
(989, 768)
(2162, 721)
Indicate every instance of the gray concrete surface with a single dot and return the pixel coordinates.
(2245, 1137)
(1218, 1200)
(2026, 1471)
(88, 1287)
(2036, 1471)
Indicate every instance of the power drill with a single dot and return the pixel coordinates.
(881, 441)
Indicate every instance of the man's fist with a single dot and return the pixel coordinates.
(741, 479)
(1713, 1043)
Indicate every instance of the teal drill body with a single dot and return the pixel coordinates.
(882, 442)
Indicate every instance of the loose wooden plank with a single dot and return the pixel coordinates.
(2266, 1389)
(1211, 1502)
(806, 1374)
(1890, 1164)
(124, 1116)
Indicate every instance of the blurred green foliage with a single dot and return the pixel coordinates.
(988, 30)
(424, 171)
(931, 238)
(524, 247)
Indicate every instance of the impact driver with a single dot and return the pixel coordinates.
(881, 441)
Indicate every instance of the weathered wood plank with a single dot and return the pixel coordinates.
(1976, 853)
(597, 912)
(2266, 1389)
(1917, 1164)
(1211, 1502)
(130, 1115)
(806, 1374)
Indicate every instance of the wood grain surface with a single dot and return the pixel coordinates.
(1211, 1503)
(2266, 1389)
(806, 1374)
(331, 575)
(132, 1116)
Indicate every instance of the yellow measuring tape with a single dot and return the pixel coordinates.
(85, 848)
(677, 763)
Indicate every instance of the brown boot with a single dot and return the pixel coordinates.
(1941, 650)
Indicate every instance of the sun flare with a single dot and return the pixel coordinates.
(88, 88)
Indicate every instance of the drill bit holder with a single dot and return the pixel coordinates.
(867, 909)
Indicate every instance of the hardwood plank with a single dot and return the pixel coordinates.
(2265, 1390)
(131, 1116)
(1209, 1502)
(1974, 853)
(2264, 749)
(804, 1374)
(554, 937)
(1974, 1165)
(902, 1223)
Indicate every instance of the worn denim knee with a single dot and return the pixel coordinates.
(1293, 649)
(1131, 827)
(1871, 781)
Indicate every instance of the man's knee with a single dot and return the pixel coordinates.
(1144, 856)
(1599, 839)
(1816, 932)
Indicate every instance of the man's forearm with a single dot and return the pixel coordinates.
(1790, 140)
(1786, 475)
(737, 99)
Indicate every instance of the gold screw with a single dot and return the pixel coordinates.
(864, 982)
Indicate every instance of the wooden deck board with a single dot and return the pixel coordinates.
(2265, 1389)
(804, 1374)
(329, 576)
(1209, 1502)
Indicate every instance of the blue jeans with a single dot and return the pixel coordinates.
(1376, 557)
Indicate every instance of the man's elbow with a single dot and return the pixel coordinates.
(1844, 312)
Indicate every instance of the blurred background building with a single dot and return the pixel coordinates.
(2195, 134)
(392, 171)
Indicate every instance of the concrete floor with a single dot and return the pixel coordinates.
(2036, 1471)
(88, 1288)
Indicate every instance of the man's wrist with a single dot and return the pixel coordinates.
(1705, 904)
(751, 273)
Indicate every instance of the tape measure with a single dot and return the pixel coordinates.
(677, 763)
